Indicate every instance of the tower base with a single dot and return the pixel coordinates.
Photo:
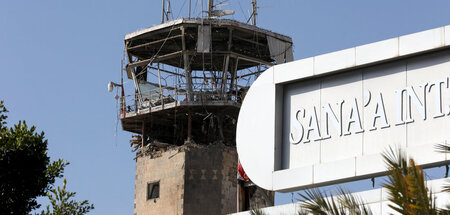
(188, 179)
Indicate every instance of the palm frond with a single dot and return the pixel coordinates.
(408, 193)
(349, 201)
(443, 148)
(446, 188)
(319, 203)
(257, 211)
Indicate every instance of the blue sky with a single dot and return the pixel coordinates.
(56, 58)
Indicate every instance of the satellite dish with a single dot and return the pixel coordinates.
(110, 86)
(220, 13)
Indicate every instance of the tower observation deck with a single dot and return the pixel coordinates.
(186, 81)
(190, 76)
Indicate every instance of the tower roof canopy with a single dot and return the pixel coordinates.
(206, 40)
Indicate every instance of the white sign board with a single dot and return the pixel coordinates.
(327, 119)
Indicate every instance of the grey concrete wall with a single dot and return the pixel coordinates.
(210, 186)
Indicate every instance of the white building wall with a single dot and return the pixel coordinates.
(363, 77)
(376, 199)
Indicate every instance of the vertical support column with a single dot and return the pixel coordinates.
(144, 135)
(187, 66)
(123, 104)
(233, 78)
(161, 98)
(187, 74)
(220, 125)
(189, 131)
(138, 98)
(227, 62)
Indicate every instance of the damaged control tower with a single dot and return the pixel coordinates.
(189, 77)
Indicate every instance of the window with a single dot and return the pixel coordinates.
(153, 190)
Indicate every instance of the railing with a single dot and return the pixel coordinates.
(169, 94)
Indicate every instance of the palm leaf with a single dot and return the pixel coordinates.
(319, 203)
(444, 148)
(408, 193)
(257, 211)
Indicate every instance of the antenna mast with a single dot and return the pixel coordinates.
(254, 11)
(210, 7)
(189, 8)
(163, 10)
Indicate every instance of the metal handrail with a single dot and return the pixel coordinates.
(168, 94)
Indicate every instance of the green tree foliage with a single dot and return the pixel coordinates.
(62, 204)
(26, 171)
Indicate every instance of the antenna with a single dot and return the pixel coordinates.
(168, 11)
(165, 12)
(189, 8)
(210, 8)
(254, 11)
